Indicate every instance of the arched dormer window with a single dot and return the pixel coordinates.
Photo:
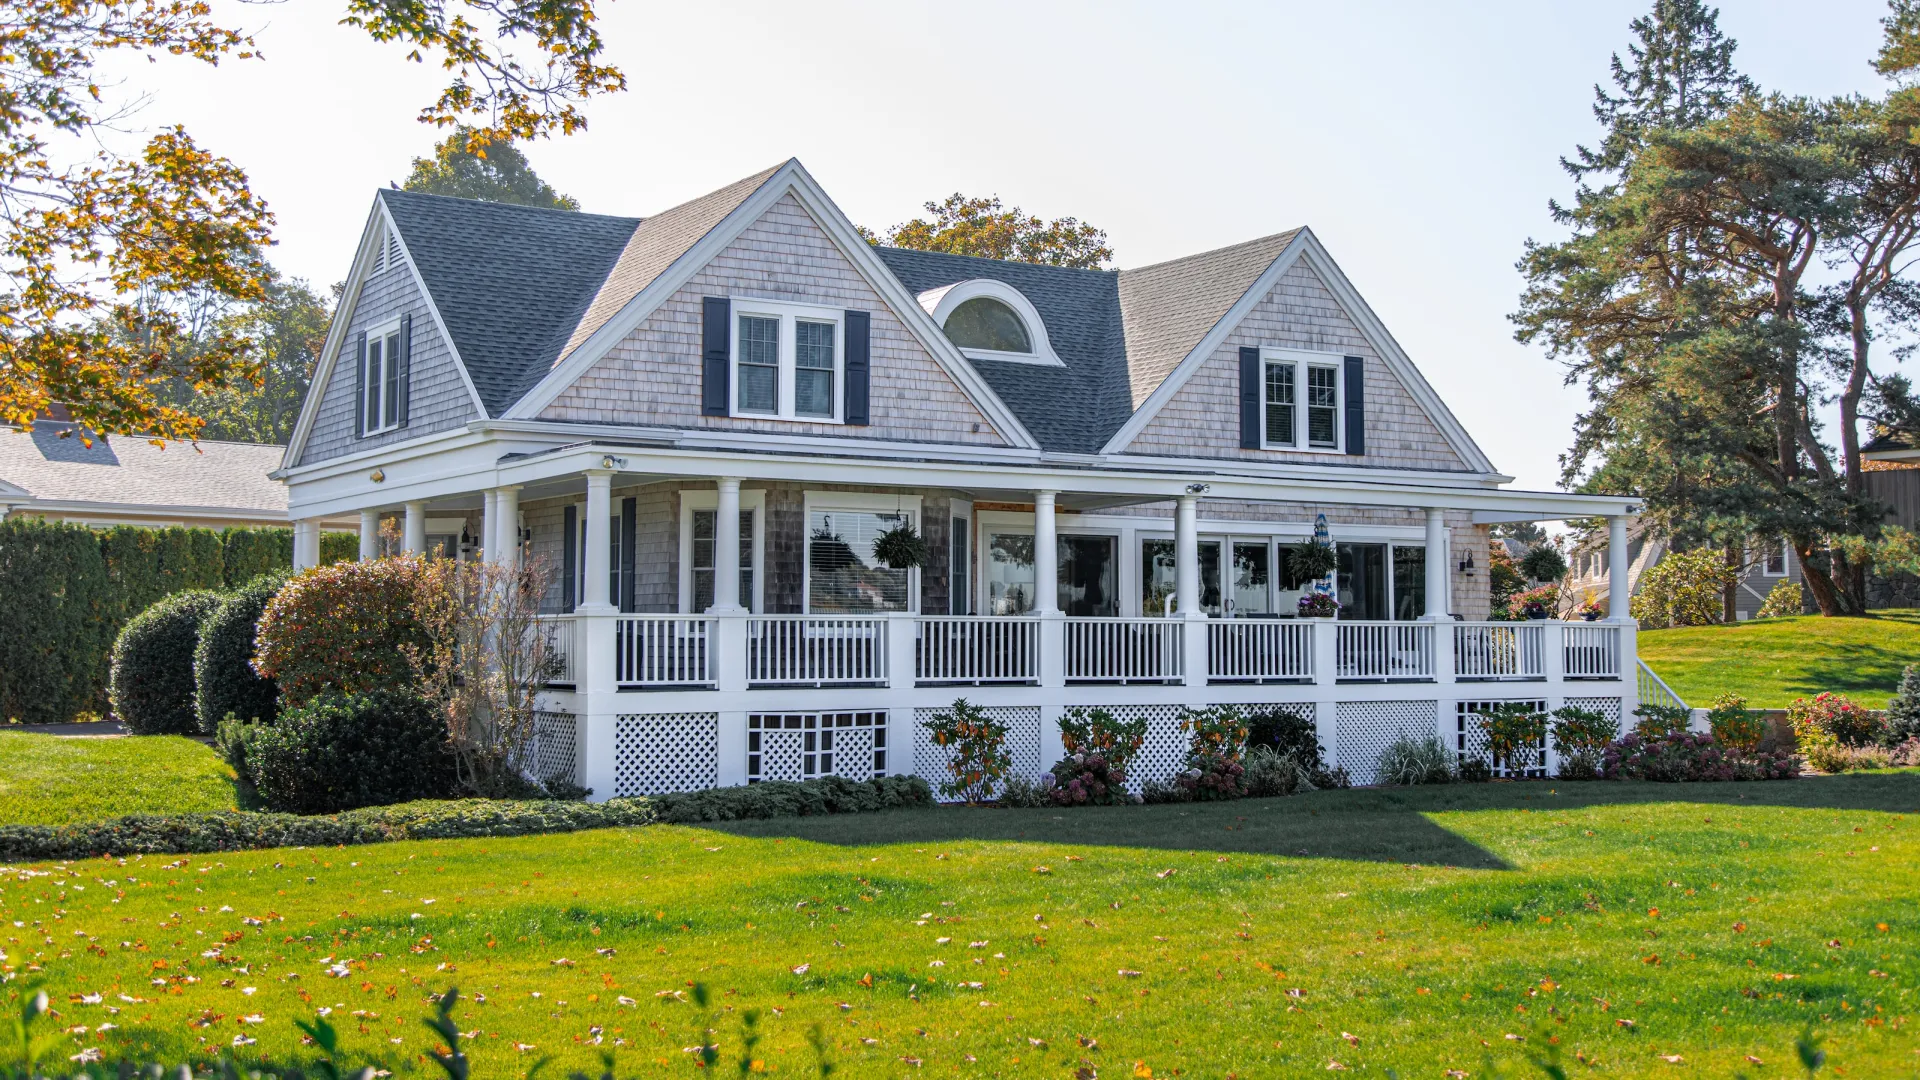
(990, 320)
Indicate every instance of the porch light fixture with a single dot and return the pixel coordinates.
(378, 476)
(1466, 565)
(611, 462)
(1199, 489)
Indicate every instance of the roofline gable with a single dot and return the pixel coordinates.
(793, 178)
(324, 367)
(1307, 246)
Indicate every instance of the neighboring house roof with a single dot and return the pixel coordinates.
(51, 465)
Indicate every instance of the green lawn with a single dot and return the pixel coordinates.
(1773, 661)
(49, 780)
(1420, 930)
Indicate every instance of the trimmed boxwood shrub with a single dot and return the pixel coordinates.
(827, 795)
(341, 751)
(343, 628)
(223, 676)
(152, 678)
(59, 622)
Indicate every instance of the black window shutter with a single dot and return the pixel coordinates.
(628, 512)
(859, 364)
(569, 556)
(406, 366)
(1356, 405)
(1249, 398)
(360, 386)
(717, 328)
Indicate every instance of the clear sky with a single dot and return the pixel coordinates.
(1419, 141)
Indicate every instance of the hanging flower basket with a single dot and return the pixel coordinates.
(1318, 606)
(1311, 560)
(900, 548)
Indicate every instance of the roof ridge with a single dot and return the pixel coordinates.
(1284, 234)
(390, 192)
(1001, 262)
(149, 439)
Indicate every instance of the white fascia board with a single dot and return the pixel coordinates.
(1904, 454)
(379, 224)
(167, 510)
(793, 178)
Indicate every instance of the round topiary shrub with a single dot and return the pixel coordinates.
(343, 628)
(151, 681)
(340, 751)
(223, 675)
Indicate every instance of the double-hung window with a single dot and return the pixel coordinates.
(700, 554)
(788, 360)
(380, 386)
(1302, 400)
(1776, 564)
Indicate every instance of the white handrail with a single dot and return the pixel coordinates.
(1653, 690)
(977, 649)
(1260, 649)
(816, 650)
(663, 650)
(1489, 651)
(1387, 651)
(1101, 649)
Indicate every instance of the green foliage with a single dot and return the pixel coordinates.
(152, 682)
(1411, 761)
(1272, 773)
(1216, 742)
(54, 781)
(1543, 562)
(285, 329)
(976, 745)
(1783, 601)
(1504, 579)
(60, 621)
(147, 564)
(340, 752)
(1833, 719)
(900, 547)
(1290, 733)
(986, 229)
(1657, 721)
(1514, 731)
(223, 676)
(1680, 757)
(1581, 732)
(776, 799)
(1311, 560)
(1686, 588)
(1903, 709)
(491, 172)
(246, 553)
(1735, 726)
(1474, 770)
(346, 626)
(1097, 731)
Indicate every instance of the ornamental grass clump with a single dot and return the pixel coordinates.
(1409, 761)
(977, 756)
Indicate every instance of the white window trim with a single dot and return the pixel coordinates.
(1301, 359)
(788, 313)
(940, 303)
(864, 502)
(1786, 563)
(751, 499)
(380, 333)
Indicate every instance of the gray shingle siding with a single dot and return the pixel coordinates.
(439, 399)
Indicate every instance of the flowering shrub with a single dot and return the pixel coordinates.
(1832, 718)
(1659, 721)
(1210, 777)
(1735, 726)
(1515, 734)
(1099, 749)
(1315, 605)
(1684, 589)
(1834, 758)
(348, 626)
(1681, 756)
(1097, 731)
(1538, 602)
(1580, 737)
(1783, 601)
(977, 743)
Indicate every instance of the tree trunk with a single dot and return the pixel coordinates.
(1730, 595)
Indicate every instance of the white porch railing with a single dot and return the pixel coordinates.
(1384, 651)
(663, 650)
(1495, 651)
(1651, 689)
(1264, 650)
(1592, 651)
(561, 632)
(1122, 650)
(816, 650)
(977, 649)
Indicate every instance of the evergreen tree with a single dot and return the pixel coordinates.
(1903, 708)
(466, 166)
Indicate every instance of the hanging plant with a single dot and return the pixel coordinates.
(1318, 606)
(900, 547)
(1311, 560)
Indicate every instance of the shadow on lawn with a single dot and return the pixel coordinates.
(1370, 825)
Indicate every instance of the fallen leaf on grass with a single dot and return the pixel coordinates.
(1351, 1038)
(802, 969)
(1168, 872)
(1127, 973)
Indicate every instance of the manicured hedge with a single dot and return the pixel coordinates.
(152, 677)
(193, 834)
(345, 627)
(341, 751)
(70, 590)
(224, 679)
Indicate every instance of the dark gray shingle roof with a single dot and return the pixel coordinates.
(511, 281)
(1168, 307)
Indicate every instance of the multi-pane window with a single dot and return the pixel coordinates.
(1777, 561)
(843, 576)
(813, 368)
(703, 557)
(381, 397)
(759, 364)
(1323, 406)
(1280, 404)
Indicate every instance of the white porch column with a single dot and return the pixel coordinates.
(369, 535)
(726, 547)
(1439, 581)
(416, 531)
(506, 503)
(595, 620)
(1186, 556)
(1046, 555)
(1619, 592)
(599, 509)
(489, 521)
(306, 545)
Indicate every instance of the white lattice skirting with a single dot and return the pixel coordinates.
(660, 752)
(1609, 707)
(807, 746)
(1362, 731)
(555, 738)
(1023, 744)
(1471, 741)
